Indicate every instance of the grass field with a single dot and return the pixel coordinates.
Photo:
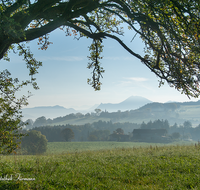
(142, 166)
(66, 147)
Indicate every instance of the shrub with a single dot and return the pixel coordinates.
(34, 143)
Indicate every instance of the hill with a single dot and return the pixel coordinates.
(174, 112)
(47, 111)
(131, 103)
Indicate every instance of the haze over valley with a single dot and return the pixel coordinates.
(134, 109)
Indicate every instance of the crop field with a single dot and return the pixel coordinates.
(121, 168)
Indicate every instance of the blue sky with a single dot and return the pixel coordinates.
(63, 77)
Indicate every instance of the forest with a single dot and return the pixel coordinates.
(104, 131)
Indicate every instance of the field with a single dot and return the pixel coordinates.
(68, 147)
(63, 147)
(123, 166)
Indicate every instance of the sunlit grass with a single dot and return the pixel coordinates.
(61, 147)
(150, 167)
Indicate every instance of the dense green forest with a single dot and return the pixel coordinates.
(101, 130)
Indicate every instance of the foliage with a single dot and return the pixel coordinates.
(29, 124)
(81, 132)
(187, 124)
(157, 124)
(98, 111)
(10, 114)
(169, 29)
(119, 131)
(67, 134)
(118, 135)
(40, 121)
(34, 143)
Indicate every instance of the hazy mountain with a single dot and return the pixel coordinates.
(47, 111)
(88, 110)
(173, 112)
(170, 105)
(91, 109)
(131, 103)
(176, 112)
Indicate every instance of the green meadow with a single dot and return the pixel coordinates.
(67, 147)
(104, 165)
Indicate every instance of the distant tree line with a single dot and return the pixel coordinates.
(185, 131)
(97, 131)
(103, 131)
(157, 124)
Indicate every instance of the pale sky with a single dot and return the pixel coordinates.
(63, 77)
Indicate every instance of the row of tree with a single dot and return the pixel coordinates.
(100, 130)
(185, 130)
(36, 140)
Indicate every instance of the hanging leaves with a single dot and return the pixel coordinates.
(95, 56)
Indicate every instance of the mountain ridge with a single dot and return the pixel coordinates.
(47, 111)
(131, 103)
(174, 112)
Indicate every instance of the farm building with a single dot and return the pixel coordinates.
(150, 135)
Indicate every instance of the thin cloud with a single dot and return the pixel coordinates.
(64, 58)
(136, 79)
(121, 58)
(133, 82)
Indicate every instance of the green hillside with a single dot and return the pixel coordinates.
(173, 112)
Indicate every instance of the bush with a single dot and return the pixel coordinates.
(34, 143)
